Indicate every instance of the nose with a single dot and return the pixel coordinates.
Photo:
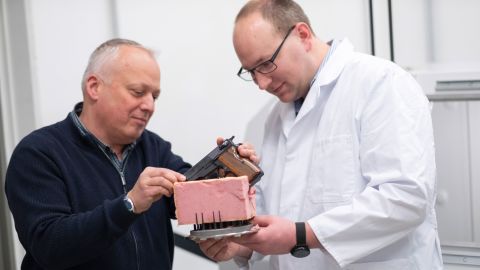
(148, 104)
(262, 80)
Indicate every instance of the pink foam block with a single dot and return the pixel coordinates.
(223, 199)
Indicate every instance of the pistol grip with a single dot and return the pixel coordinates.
(240, 166)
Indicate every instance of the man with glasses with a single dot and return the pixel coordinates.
(348, 153)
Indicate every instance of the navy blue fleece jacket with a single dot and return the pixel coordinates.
(67, 202)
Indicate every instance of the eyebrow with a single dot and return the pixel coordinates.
(143, 86)
(258, 62)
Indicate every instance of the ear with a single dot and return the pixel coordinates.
(92, 86)
(305, 34)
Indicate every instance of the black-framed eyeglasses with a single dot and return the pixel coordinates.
(264, 67)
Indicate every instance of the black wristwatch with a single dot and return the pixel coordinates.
(300, 250)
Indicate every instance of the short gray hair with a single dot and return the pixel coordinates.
(105, 53)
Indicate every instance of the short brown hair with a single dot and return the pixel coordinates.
(282, 14)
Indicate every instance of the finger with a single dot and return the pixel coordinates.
(171, 176)
(158, 191)
(246, 149)
(248, 152)
(220, 255)
(255, 159)
(160, 182)
(167, 173)
(214, 251)
(247, 145)
(262, 221)
(216, 248)
(206, 244)
(179, 176)
(246, 240)
(182, 178)
(220, 140)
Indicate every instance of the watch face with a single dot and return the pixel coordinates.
(128, 204)
(300, 251)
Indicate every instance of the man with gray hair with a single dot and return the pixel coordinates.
(93, 191)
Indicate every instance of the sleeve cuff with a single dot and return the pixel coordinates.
(246, 264)
(241, 262)
(119, 216)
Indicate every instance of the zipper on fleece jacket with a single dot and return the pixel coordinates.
(124, 183)
(121, 172)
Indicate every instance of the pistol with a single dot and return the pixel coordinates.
(224, 161)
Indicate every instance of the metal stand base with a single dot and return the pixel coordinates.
(235, 231)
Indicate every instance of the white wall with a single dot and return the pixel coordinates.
(443, 32)
(62, 36)
(201, 96)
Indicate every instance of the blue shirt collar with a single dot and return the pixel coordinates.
(77, 110)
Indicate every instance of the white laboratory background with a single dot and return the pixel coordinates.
(45, 44)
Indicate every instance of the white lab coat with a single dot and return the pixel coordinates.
(358, 164)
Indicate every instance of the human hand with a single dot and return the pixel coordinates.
(223, 249)
(245, 150)
(276, 236)
(152, 184)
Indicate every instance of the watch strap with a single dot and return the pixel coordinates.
(301, 233)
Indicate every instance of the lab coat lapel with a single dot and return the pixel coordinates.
(329, 73)
(287, 116)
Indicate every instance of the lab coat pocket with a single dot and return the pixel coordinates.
(397, 264)
(332, 171)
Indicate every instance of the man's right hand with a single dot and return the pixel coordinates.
(152, 184)
(223, 249)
